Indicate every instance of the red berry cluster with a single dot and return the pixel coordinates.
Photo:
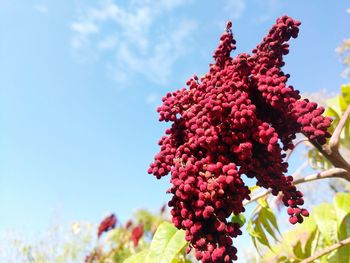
(238, 119)
(136, 234)
(107, 224)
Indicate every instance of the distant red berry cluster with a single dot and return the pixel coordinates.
(238, 119)
(107, 224)
(136, 234)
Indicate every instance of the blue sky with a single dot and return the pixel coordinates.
(80, 82)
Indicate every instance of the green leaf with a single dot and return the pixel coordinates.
(298, 251)
(334, 104)
(253, 234)
(167, 242)
(295, 244)
(261, 236)
(262, 202)
(326, 219)
(342, 103)
(345, 93)
(330, 112)
(240, 219)
(342, 207)
(253, 188)
(270, 216)
(308, 234)
(334, 257)
(261, 223)
(266, 216)
(141, 257)
(120, 255)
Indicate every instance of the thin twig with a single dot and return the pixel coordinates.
(92, 256)
(247, 202)
(334, 140)
(327, 250)
(330, 173)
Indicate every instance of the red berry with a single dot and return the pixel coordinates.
(293, 220)
(304, 212)
(290, 211)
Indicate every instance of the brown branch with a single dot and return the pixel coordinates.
(331, 173)
(334, 141)
(327, 250)
(334, 157)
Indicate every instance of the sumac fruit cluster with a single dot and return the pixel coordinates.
(238, 119)
(107, 224)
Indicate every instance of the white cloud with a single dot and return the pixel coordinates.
(270, 9)
(151, 98)
(235, 8)
(84, 28)
(41, 8)
(107, 43)
(266, 9)
(157, 64)
(143, 39)
(348, 10)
